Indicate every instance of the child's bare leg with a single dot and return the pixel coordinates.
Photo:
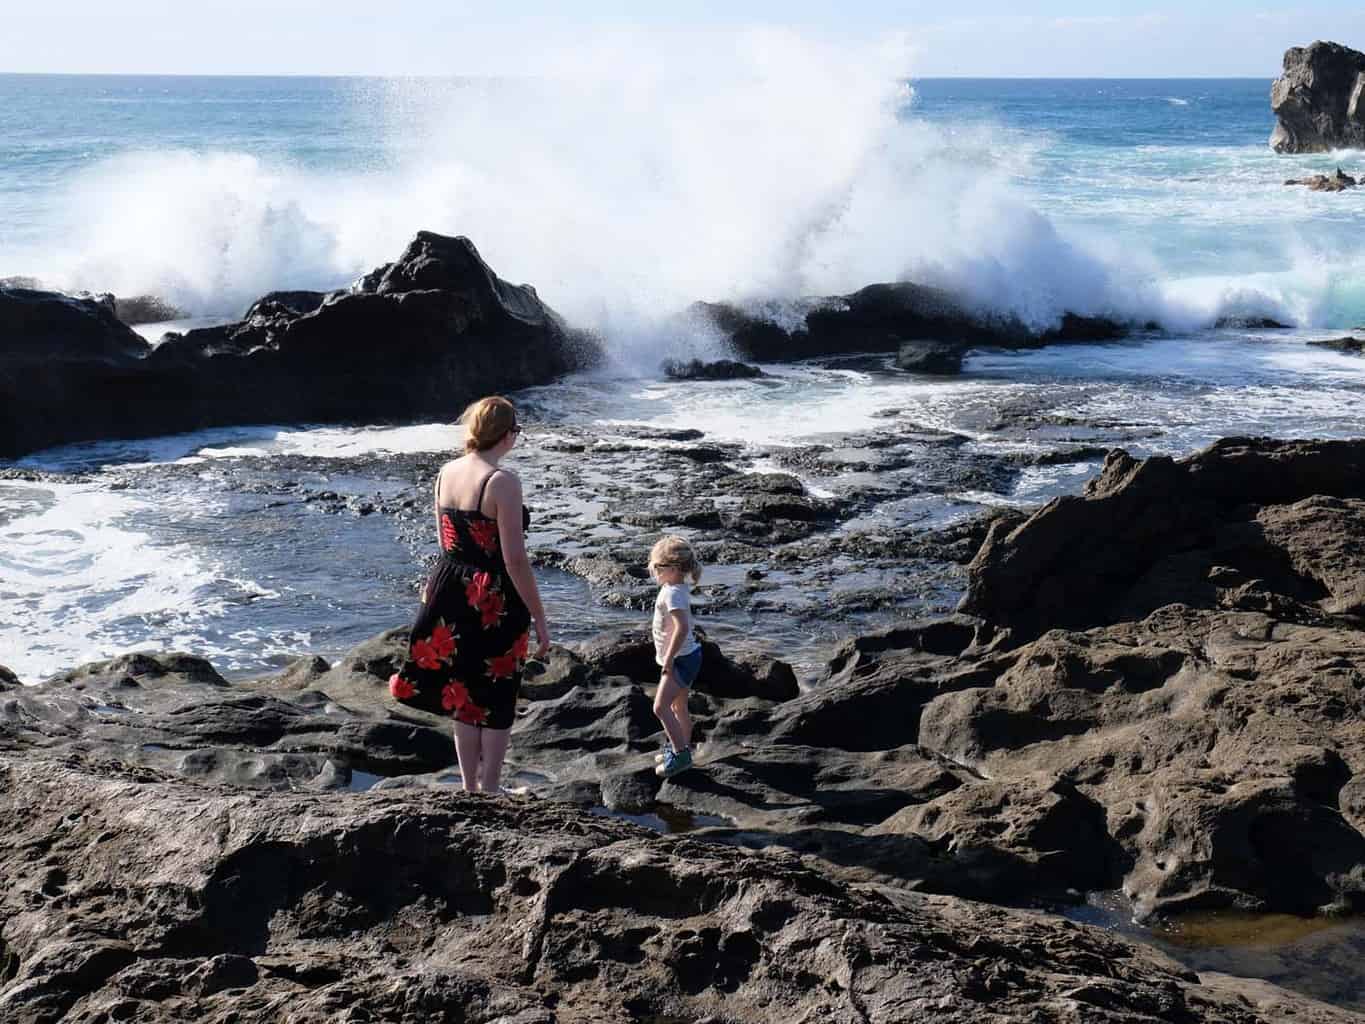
(684, 719)
(664, 697)
(469, 750)
(494, 750)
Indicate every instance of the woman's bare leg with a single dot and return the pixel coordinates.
(494, 750)
(469, 749)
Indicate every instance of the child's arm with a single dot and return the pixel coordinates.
(675, 638)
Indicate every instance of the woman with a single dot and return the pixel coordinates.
(469, 644)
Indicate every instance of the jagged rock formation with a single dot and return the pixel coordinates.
(1319, 99)
(416, 338)
(1191, 734)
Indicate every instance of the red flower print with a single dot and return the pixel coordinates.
(485, 535)
(477, 588)
(522, 646)
(491, 608)
(447, 533)
(401, 688)
(454, 696)
(472, 713)
(502, 667)
(443, 642)
(425, 655)
(480, 594)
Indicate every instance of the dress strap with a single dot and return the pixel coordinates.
(478, 505)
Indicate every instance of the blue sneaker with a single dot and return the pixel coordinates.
(674, 763)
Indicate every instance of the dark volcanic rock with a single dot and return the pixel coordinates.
(145, 309)
(1319, 99)
(8, 680)
(632, 655)
(299, 302)
(412, 907)
(1350, 346)
(1338, 182)
(882, 318)
(720, 369)
(1150, 533)
(434, 330)
(935, 357)
(1250, 323)
(48, 329)
(1217, 744)
(175, 712)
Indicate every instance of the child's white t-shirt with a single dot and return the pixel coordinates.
(673, 597)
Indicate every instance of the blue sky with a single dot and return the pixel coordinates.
(990, 37)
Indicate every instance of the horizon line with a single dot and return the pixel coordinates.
(451, 74)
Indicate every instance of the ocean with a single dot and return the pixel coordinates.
(1152, 200)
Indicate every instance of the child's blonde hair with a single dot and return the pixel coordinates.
(487, 422)
(676, 552)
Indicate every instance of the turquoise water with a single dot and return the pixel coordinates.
(623, 198)
(1147, 198)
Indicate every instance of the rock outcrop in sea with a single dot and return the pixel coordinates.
(883, 318)
(1319, 99)
(415, 338)
(1158, 687)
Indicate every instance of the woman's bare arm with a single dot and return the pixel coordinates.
(436, 503)
(505, 491)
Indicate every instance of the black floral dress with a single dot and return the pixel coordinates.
(468, 646)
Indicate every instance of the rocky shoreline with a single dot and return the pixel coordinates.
(412, 340)
(1153, 686)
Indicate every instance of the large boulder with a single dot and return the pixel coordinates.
(1319, 99)
(418, 338)
(47, 328)
(1153, 532)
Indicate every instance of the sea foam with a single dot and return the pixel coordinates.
(631, 177)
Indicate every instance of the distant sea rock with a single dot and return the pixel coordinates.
(720, 369)
(1319, 99)
(1348, 345)
(1338, 182)
(883, 318)
(417, 338)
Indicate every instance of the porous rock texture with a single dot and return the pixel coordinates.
(134, 896)
(187, 848)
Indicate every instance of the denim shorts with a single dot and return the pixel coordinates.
(687, 668)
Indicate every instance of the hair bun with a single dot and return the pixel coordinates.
(487, 422)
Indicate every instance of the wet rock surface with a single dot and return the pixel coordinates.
(1338, 182)
(1348, 345)
(883, 318)
(719, 369)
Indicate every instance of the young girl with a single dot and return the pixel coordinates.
(672, 564)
